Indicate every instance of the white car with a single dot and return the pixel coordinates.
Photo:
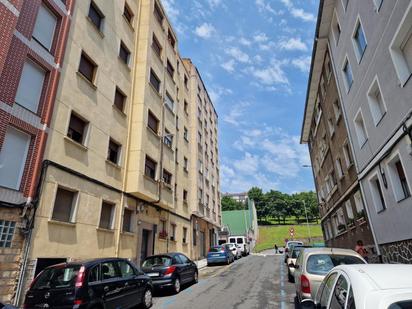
(236, 250)
(242, 241)
(365, 286)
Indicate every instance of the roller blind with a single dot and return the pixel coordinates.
(44, 27)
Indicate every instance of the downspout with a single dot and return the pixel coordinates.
(126, 157)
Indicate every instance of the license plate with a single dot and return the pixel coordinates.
(216, 255)
(153, 274)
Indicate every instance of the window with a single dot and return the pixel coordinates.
(186, 80)
(398, 178)
(96, 16)
(177, 122)
(13, 155)
(185, 195)
(77, 129)
(378, 4)
(170, 69)
(345, 4)
(171, 38)
(349, 211)
(331, 127)
(377, 194)
(167, 177)
(186, 134)
(359, 41)
(153, 122)
(169, 102)
(401, 47)
(109, 271)
(177, 156)
(154, 80)
(106, 216)
(360, 129)
(128, 13)
(185, 235)
(124, 53)
(6, 233)
(150, 168)
(173, 233)
(339, 294)
(87, 67)
(44, 27)
(194, 236)
(336, 27)
(336, 110)
(326, 290)
(338, 163)
(30, 86)
(119, 99)
(158, 13)
(113, 152)
(127, 220)
(168, 139)
(163, 227)
(185, 164)
(156, 46)
(358, 202)
(375, 100)
(347, 72)
(347, 154)
(126, 270)
(64, 205)
(185, 107)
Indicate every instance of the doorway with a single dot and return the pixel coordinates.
(202, 244)
(144, 251)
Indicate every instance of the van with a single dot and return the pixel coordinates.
(241, 240)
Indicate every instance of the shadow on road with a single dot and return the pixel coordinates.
(165, 292)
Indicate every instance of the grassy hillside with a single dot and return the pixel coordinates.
(276, 234)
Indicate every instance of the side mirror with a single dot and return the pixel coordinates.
(296, 266)
(307, 304)
(291, 265)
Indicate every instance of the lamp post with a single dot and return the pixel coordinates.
(307, 221)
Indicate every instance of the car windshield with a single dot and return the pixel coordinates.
(240, 240)
(406, 304)
(296, 251)
(157, 261)
(321, 264)
(57, 278)
(294, 244)
(216, 249)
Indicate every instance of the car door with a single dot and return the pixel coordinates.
(298, 271)
(325, 290)
(187, 268)
(112, 285)
(180, 267)
(131, 293)
(340, 293)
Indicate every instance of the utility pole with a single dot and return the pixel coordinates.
(307, 221)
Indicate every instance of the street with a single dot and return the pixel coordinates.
(256, 281)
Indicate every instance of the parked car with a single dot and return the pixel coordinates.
(170, 270)
(220, 254)
(242, 241)
(292, 260)
(366, 286)
(289, 246)
(236, 250)
(6, 306)
(98, 283)
(313, 264)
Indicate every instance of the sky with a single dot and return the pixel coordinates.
(254, 57)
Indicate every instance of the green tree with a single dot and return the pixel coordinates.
(229, 203)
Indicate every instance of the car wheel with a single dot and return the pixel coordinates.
(196, 277)
(147, 299)
(176, 286)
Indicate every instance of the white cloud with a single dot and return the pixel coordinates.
(244, 41)
(271, 75)
(298, 12)
(171, 10)
(248, 165)
(302, 63)
(205, 30)
(238, 54)
(260, 37)
(216, 92)
(214, 3)
(293, 44)
(237, 112)
(229, 66)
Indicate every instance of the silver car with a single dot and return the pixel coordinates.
(292, 260)
(313, 264)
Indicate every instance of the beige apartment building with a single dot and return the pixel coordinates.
(121, 175)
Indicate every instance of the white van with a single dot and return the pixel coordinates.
(241, 240)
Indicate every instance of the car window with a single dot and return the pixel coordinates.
(157, 261)
(109, 271)
(351, 301)
(321, 264)
(299, 260)
(240, 240)
(339, 294)
(327, 289)
(126, 269)
(184, 259)
(232, 240)
(216, 249)
(406, 304)
(94, 274)
(177, 260)
(295, 252)
(57, 278)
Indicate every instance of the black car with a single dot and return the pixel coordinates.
(100, 283)
(170, 270)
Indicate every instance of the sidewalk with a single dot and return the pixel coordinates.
(201, 263)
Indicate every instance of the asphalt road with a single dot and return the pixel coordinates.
(256, 281)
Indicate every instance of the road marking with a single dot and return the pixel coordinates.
(282, 285)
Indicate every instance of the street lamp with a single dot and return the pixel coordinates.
(307, 221)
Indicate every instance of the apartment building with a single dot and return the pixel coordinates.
(370, 47)
(343, 216)
(117, 178)
(33, 36)
(203, 160)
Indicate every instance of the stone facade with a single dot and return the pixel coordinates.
(397, 252)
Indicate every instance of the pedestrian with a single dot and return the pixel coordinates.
(276, 248)
(361, 250)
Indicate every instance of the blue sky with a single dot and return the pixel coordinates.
(254, 57)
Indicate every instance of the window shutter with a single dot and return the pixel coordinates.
(45, 27)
